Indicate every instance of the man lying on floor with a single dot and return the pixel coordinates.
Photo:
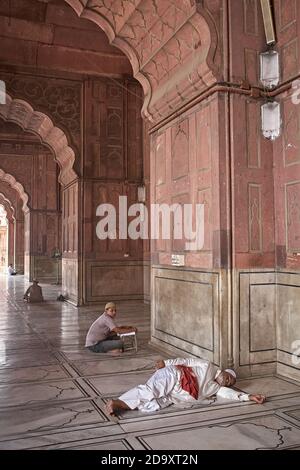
(181, 381)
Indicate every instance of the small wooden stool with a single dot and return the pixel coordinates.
(132, 343)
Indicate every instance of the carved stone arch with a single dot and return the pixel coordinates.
(7, 205)
(14, 184)
(107, 24)
(211, 58)
(22, 113)
(171, 46)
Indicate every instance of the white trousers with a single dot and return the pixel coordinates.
(160, 391)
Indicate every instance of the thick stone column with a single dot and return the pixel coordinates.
(71, 237)
(3, 247)
(43, 222)
(11, 242)
(113, 167)
(20, 254)
(43, 239)
(188, 166)
(10, 210)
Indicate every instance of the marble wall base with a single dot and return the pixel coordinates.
(189, 318)
(45, 269)
(185, 311)
(267, 323)
(70, 280)
(147, 276)
(118, 280)
(288, 324)
(19, 265)
(255, 322)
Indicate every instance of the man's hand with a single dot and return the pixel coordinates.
(260, 399)
(160, 364)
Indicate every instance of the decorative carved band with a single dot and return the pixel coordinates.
(21, 113)
(60, 99)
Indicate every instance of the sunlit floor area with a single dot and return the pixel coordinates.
(53, 391)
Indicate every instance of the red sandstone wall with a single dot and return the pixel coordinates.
(259, 214)
(287, 187)
(113, 166)
(287, 192)
(286, 149)
(185, 169)
(253, 188)
(51, 36)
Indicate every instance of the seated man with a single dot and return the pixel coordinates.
(11, 271)
(34, 293)
(181, 381)
(103, 336)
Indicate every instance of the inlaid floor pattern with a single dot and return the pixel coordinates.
(53, 391)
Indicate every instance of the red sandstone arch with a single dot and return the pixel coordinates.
(13, 183)
(11, 224)
(16, 237)
(171, 45)
(21, 113)
(6, 203)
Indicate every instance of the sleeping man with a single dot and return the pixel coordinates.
(180, 381)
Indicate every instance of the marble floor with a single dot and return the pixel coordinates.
(53, 392)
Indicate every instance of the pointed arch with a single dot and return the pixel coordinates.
(21, 112)
(7, 204)
(18, 187)
(171, 46)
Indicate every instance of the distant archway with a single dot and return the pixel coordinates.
(14, 198)
(3, 239)
(18, 187)
(22, 113)
(8, 206)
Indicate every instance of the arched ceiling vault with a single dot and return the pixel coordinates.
(171, 45)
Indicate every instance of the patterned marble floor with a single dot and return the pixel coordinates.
(53, 391)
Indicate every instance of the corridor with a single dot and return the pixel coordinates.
(53, 392)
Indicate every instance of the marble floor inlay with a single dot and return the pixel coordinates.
(53, 391)
(251, 434)
(32, 374)
(25, 394)
(37, 419)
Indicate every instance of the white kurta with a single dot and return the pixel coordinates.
(164, 389)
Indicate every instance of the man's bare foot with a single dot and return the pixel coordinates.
(115, 352)
(114, 405)
(110, 408)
